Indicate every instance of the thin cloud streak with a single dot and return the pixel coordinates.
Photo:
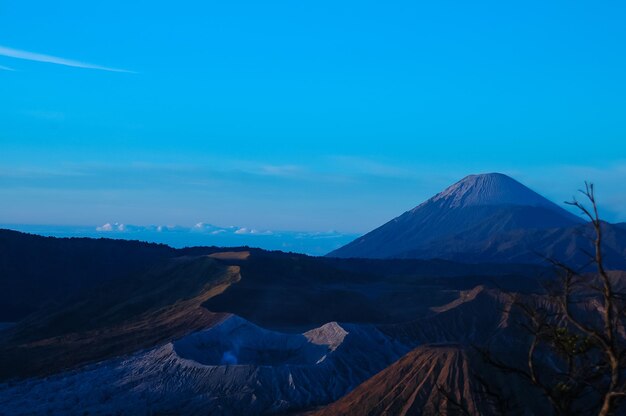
(6, 68)
(38, 57)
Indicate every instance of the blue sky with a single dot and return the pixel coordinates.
(301, 115)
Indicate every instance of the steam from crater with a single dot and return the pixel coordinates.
(228, 358)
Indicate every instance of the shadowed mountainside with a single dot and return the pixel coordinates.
(295, 292)
(36, 271)
(568, 245)
(115, 319)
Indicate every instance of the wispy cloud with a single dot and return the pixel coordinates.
(280, 170)
(46, 115)
(6, 68)
(39, 57)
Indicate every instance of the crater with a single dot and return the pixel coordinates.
(239, 342)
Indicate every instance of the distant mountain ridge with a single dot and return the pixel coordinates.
(200, 234)
(483, 218)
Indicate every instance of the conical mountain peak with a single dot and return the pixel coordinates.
(466, 216)
(490, 189)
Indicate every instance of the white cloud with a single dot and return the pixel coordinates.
(203, 227)
(280, 170)
(249, 231)
(106, 227)
(39, 57)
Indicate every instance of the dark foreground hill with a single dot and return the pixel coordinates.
(36, 270)
(181, 291)
(38, 273)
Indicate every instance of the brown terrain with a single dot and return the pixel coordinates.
(430, 380)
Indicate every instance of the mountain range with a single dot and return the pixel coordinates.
(386, 325)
